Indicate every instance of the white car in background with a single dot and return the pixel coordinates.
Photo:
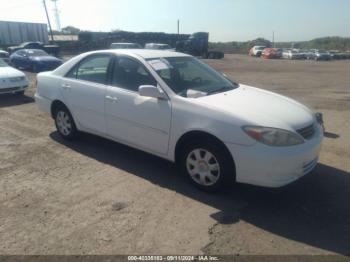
(154, 46)
(293, 54)
(174, 106)
(256, 50)
(12, 81)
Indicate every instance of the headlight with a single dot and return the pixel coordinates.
(273, 136)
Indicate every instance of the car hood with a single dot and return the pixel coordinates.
(8, 71)
(45, 59)
(254, 106)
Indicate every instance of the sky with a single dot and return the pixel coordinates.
(225, 20)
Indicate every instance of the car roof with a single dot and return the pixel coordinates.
(159, 44)
(144, 53)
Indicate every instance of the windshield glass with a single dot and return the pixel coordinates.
(36, 53)
(187, 76)
(3, 63)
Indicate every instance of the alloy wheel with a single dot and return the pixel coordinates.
(64, 123)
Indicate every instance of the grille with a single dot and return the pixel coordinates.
(307, 132)
(11, 89)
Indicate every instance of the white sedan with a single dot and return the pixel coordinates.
(12, 81)
(174, 106)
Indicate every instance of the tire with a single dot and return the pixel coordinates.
(65, 123)
(207, 165)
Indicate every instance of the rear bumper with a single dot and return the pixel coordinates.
(44, 104)
(267, 166)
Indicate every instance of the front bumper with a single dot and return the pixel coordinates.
(13, 89)
(268, 166)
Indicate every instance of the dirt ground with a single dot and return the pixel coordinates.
(95, 196)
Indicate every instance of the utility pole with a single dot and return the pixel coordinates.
(273, 39)
(57, 15)
(178, 26)
(48, 21)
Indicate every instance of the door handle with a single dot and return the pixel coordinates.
(112, 99)
(66, 86)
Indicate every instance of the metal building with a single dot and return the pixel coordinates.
(15, 33)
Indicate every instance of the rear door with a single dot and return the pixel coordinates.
(84, 89)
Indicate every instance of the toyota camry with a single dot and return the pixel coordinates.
(176, 107)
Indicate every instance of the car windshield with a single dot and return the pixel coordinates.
(3, 63)
(189, 77)
(36, 53)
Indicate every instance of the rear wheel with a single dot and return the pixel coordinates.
(207, 165)
(64, 123)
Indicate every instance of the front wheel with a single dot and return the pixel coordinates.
(207, 165)
(64, 123)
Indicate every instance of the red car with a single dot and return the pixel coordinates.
(271, 53)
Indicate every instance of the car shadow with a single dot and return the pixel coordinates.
(314, 210)
(8, 100)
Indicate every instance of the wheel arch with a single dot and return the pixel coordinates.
(201, 135)
(56, 104)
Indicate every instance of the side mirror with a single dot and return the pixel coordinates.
(151, 91)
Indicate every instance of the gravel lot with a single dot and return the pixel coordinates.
(95, 196)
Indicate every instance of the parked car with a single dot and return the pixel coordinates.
(292, 54)
(303, 53)
(176, 107)
(51, 49)
(12, 81)
(319, 55)
(155, 46)
(256, 51)
(4, 56)
(335, 55)
(270, 53)
(125, 46)
(35, 60)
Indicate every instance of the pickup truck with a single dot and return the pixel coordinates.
(50, 49)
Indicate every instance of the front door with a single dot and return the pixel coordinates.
(143, 122)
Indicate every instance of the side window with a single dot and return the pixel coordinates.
(92, 69)
(131, 74)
